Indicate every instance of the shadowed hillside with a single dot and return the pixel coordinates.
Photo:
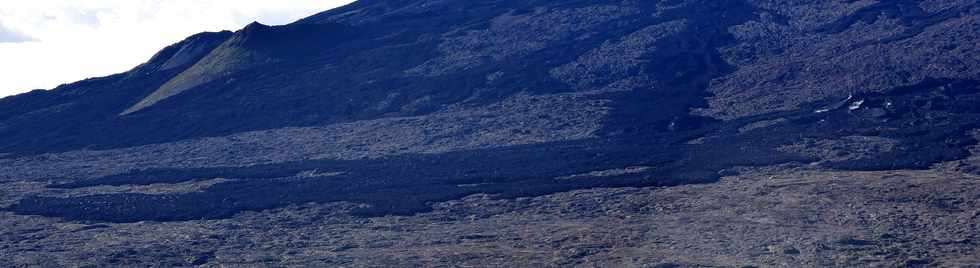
(397, 109)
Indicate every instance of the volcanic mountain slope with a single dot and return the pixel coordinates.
(389, 109)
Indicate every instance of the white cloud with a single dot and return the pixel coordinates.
(73, 40)
(8, 35)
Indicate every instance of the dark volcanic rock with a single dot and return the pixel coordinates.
(406, 184)
(393, 109)
(648, 64)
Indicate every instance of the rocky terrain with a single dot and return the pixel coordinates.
(780, 216)
(447, 133)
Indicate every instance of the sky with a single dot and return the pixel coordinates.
(45, 43)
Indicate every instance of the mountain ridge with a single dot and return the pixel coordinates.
(496, 133)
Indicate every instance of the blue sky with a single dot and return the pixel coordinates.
(50, 42)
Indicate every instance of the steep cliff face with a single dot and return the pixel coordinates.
(501, 94)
